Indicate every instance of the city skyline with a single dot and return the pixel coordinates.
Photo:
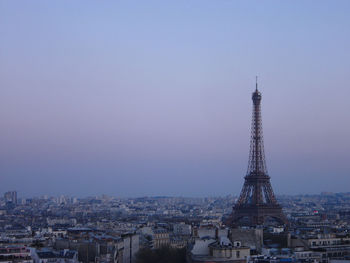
(146, 99)
(115, 196)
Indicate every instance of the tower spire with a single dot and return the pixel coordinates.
(256, 83)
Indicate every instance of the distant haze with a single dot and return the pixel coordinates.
(133, 98)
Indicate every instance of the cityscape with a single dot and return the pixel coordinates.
(109, 229)
(126, 127)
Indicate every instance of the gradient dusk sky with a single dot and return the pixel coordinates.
(134, 98)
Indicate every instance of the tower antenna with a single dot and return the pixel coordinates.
(256, 83)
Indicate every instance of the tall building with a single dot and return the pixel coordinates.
(257, 201)
(11, 197)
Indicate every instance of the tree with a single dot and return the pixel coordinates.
(161, 255)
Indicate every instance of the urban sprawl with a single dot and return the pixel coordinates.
(110, 229)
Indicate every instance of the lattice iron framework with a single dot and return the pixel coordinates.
(257, 200)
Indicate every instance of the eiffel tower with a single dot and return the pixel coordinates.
(257, 201)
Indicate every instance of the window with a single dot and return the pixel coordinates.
(237, 254)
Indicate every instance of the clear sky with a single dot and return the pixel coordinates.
(133, 98)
